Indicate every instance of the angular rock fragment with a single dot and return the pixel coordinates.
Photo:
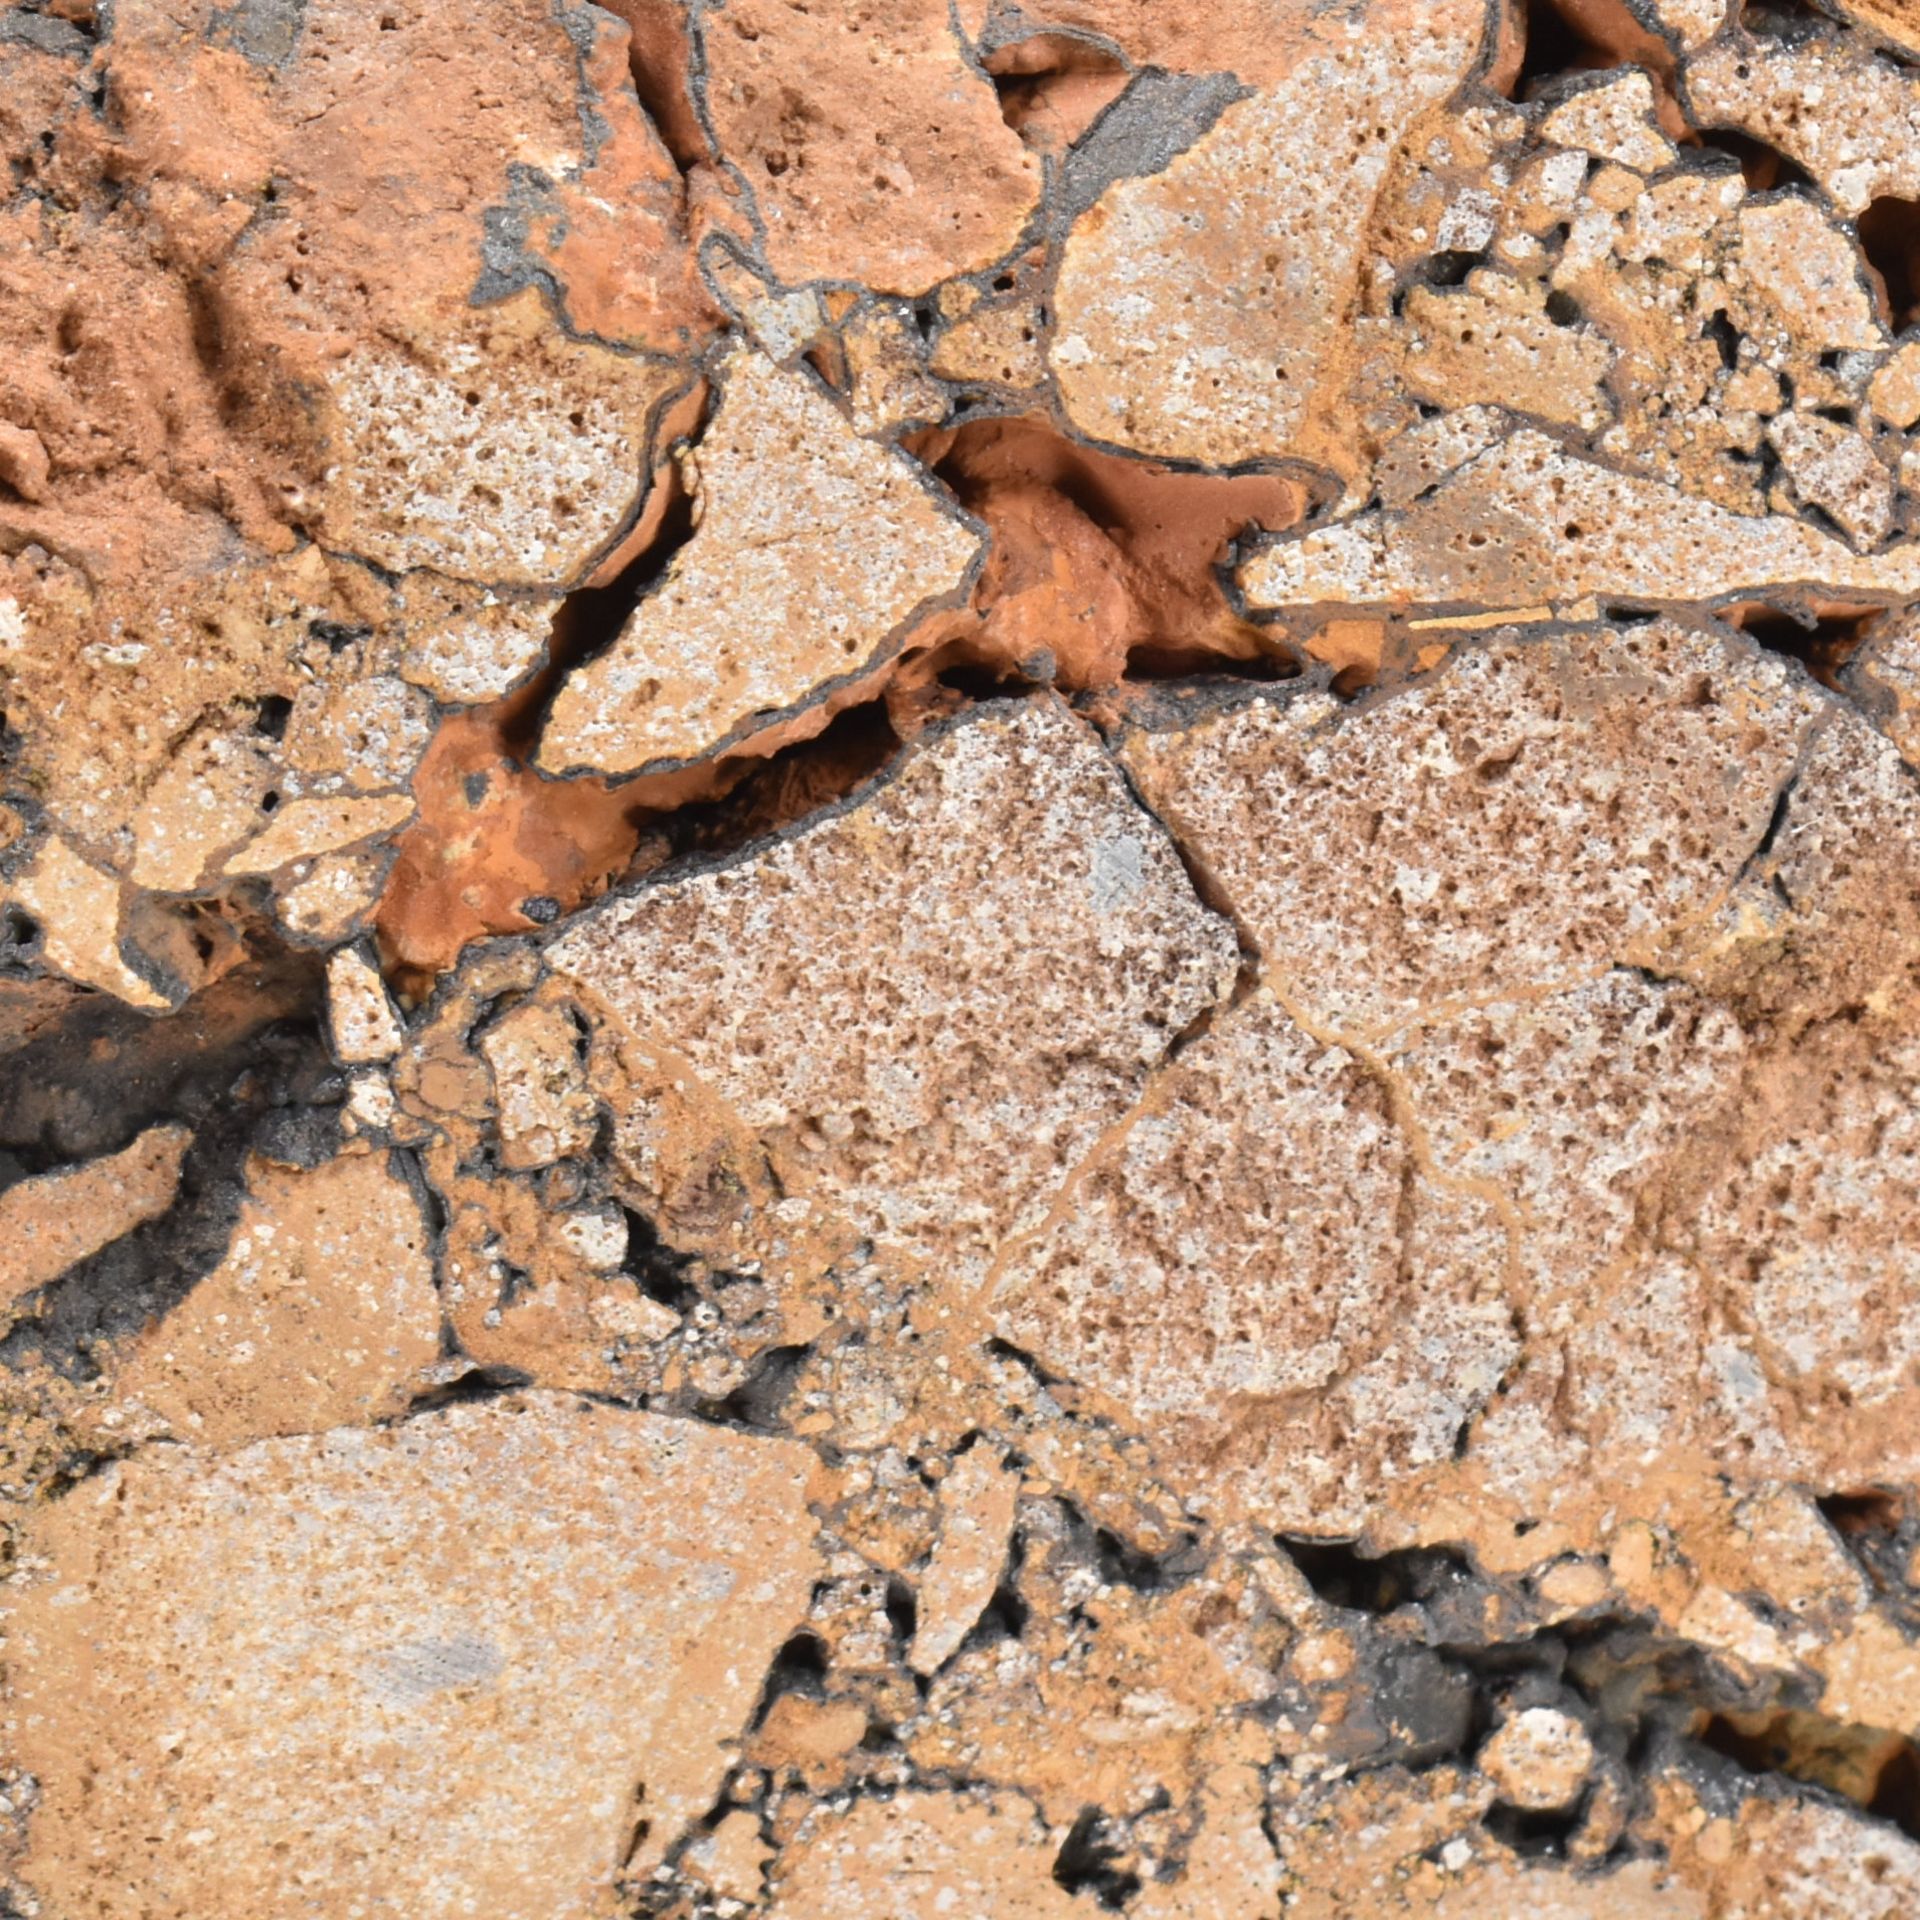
(216, 1656)
(814, 549)
(322, 1313)
(1535, 813)
(1011, 947)
(49, 1223)
(1196, 307)
(1525, 523)
(502, 460)
(976, 1525)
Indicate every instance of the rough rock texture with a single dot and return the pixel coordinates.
(960, 959)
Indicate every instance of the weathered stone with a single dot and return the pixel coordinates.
(956, 1091)
(1196, 307)
(219, 1656)
(49, 1223)
(322, 1313)
(1525, 522)
(814, 550)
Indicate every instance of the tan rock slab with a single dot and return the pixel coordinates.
(524, 1629)
(814, 547)
(1527, 522)
(929, 1004)
(51, 1221)
(1197, 308)
(323, 1311)
(509, 458)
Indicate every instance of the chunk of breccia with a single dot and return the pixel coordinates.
(527, 1628)
(1533, 813)
(928, 1004)
(813, 547)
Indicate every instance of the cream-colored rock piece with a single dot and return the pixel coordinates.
(814, 548)
(302, 829)
(1612, 120)
(206, 800)
(361, 1018)
(927, 1005)
(466, 645)
(53, 1220)
(323, 1312)
(1528, 522)
(977, 1500)
(924, 1856)
(1894, 390)
(1491, 344)
(77, 908)
(1849, 117)
(546, 1110)
(365, 734)
(1539, 1759)
(1197, 308)
(1532, 814)
(1809, 272)
(233, 1671)
(1835, 469)
(510, 459)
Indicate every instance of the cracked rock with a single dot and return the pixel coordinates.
(960, 958)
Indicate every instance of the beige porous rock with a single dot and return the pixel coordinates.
(54, 1221)
(814, 549)
(929, 1055)
(323, 1312)
(1197, 308)
(214, 1656)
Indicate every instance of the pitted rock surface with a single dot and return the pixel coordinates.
(960, 959)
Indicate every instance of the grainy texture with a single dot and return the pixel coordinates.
(960, 959)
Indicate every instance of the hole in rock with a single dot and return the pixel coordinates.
(1822, 642)
(1873, 1767)
(1091, 1860)
(1890, 237)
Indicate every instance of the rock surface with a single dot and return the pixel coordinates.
(960, 959)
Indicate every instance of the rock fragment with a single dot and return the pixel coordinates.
(976, 1525)
(1539, 1759)
(1196, 308)
(53, 1220)
(322, 1313)
(350, 1624)
(1525, 522)
(956, 1093)
(814, 549)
